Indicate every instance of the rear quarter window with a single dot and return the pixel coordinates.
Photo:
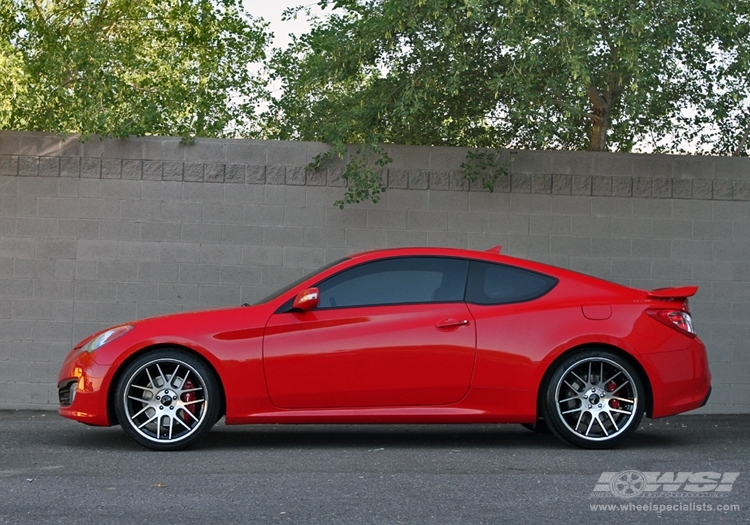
(491, 283)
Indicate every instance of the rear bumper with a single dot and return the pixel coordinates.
(680, 380)
(710, 389)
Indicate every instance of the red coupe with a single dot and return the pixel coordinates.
(417, 335)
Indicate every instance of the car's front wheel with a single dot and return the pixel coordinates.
(594, 399)
(167, 399)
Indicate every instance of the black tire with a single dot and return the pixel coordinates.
(167, 399)
(594, 399)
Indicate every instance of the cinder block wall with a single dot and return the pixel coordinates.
(101, 232)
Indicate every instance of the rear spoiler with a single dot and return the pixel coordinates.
(673, 293)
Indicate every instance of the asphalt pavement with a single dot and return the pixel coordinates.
(687, 469)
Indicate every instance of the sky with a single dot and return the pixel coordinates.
(270, 11)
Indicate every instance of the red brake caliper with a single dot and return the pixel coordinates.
(614, 403)
(187, 397)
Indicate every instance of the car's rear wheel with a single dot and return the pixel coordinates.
(594, 399)
(167, 399)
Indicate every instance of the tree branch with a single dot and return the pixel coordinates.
(743, 141)
(98, 18)
(608, 40)
(595, 98)
(38, 10)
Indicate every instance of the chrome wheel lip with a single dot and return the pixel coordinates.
(595, 410)
(171, 409)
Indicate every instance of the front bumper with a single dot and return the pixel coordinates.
(89, 396)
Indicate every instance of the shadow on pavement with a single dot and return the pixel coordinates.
(357, 437)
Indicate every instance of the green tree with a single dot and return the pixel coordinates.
(130, 67)
(719, 118)
(600, 75)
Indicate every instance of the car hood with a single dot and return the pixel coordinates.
(206, 321)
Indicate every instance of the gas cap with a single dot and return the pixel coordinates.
(597, 312)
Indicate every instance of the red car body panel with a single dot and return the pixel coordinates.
(370, 357)
(378, 364)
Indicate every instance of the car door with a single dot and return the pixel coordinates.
(392, 332)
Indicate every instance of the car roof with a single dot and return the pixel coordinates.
(422, 250)
(491, 255)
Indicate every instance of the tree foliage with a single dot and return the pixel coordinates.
(720, 123)
(603, 75)
(129, 67)
(600, 75)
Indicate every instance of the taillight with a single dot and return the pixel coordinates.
(677, 319)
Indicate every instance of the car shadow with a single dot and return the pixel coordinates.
(269, 437)
(374, 436)
(369, 437)
(406, 436)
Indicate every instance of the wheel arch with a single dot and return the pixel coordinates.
(596, 346)
(111, 415)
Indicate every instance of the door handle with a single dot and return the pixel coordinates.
(447, 324)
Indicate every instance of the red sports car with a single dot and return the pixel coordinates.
(417, 335)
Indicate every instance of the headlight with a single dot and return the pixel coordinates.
(105, 337)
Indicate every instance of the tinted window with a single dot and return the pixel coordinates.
(499, 284)
(396, 281)
(299, 281)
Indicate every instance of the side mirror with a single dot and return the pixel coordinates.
(306, 300)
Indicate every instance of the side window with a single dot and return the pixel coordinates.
(400, 280)
(500, 284)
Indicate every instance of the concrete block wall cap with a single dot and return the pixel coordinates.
(163, 150)
(205, 151)
(532, 161)
(694, 167)
(122, 149)
(207, 140)
(446, 158)
(40, 145)
(287, 154)
(572, 163)
(408, 157)
(732, 168)
(614, 165)
(612, 174)
(9, 144)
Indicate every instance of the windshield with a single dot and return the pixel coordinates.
(299, 281)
